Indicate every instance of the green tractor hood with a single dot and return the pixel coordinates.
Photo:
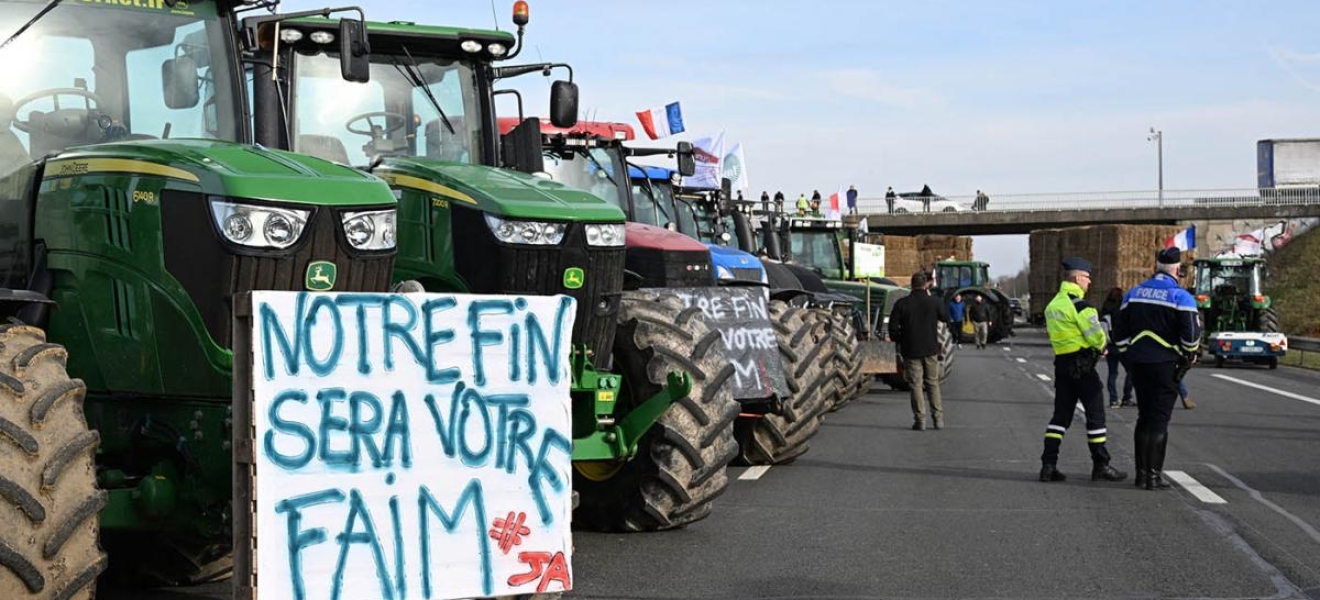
(498, 191)
(228, 169)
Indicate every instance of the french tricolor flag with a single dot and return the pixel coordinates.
(661, 122)
(1183, 240)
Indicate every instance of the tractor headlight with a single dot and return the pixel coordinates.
(370, 230)
(722, 272)
(533, 233)
(605, 234)
(497, 49)
(240, 223)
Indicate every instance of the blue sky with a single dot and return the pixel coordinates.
(1009, 97)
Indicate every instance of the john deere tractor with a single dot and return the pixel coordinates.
(469, 221)
(971, 279)
(1239, 321)
(131, 220)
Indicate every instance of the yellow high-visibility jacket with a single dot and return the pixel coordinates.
(1073, 324)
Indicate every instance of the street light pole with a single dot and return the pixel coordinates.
(1158, 138)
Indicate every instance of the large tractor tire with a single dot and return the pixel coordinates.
(806, 354)
(682, 461)
(49, 527)
(1268, 320)
(846, 369)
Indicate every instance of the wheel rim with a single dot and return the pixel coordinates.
(599, 470)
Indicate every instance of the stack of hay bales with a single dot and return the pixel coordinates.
(1121, 256)
(933, 248)
(900, 258)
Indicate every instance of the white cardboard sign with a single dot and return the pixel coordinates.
(411, 446)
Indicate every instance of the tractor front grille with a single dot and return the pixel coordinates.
(661, 268)
(745, 274)
(214, 273)
(490, 267)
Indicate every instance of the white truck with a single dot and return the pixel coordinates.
(1290, 163)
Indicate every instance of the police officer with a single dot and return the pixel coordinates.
(1078, 341)
(1159, 333)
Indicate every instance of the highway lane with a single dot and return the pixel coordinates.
(877, 510)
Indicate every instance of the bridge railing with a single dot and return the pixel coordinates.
(1231, 198)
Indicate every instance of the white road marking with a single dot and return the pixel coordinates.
(754, 473)
(1269, 389)
(1042, 377)
(1021, 360)
(1257, 496)
(1201, 492)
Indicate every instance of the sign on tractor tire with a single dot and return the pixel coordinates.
(742, 316)
(406, 445)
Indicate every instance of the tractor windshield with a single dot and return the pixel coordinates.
(595, 170)
(954, 276)
(653, 202)
(1227, 278)
(818, 249)
(392, 114)
(97, 73)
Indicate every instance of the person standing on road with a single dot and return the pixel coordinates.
(957, 313)
(982, 319)
(914, 326)
(1159, 333)
(1078, 339)
(852, 199)
(1108, 310)
(1185, 395)
(890, 197)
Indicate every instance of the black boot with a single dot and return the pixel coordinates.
(1155, 446)
(1101, 471)
(1139, 446)
(1049, 473)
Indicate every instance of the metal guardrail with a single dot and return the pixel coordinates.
(1306, 344)
(1231, 198)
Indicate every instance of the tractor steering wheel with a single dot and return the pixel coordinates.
(54, 94)
(393, 122)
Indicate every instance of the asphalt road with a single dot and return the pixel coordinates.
(875, 510)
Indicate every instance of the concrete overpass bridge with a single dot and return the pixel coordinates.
(1028, 212)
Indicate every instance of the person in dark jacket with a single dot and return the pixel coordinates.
(890, 197)
(982, 319)
(1108, 311)
(852, 199)
(1158, 331)
(914, 326)
(957, 314)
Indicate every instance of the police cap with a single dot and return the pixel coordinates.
(1077, 264)
(1170, 256)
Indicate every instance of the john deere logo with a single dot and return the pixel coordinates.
(574, 277)
(321, 276)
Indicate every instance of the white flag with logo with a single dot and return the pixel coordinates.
(707, 152)
(735, 168)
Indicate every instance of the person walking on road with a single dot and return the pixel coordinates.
(1159, 333)
(890, 197)
(1108, 310)
(1078, 339)
(957, 314)
(852, 199)
(982, 319)
(914, 326)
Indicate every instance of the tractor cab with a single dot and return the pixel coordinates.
(1227, 280)
(1240, 322)
(818, 244)
(959, 275)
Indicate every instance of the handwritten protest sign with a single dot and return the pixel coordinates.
(410, 446)
(742, 316)
(869, 260)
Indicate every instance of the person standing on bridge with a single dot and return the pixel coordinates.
(1108, 311)
(802, 205)
(1078, 340)
(890, 197)
(1158, 331)
(852, 200)
(914, 325)
(982, 319)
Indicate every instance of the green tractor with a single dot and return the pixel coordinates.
(473, 217)
(132, 217)
(1239, 320)
(971, 279)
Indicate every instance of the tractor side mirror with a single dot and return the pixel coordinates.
(179, 83)
(354, 51)
(563, 103)
(687, 162)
